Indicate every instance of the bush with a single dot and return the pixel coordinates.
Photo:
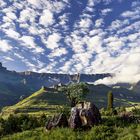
(136, 111)
(18, 123)
(106, 112)
(64, 110)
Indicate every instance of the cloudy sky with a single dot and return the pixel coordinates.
(70, 36)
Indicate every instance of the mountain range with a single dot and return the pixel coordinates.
(15, 86)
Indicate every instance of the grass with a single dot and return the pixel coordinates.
(41, 101)
(101, 132)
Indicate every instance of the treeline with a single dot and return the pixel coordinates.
(19, 123)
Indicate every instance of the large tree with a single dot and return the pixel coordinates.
(76, 92)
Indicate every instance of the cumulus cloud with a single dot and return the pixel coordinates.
(95, 44)
(29, 42)
(53, 41)
(62, 36)
(34, 2)
(5, 46)
(2, 3)
(58, 52)
(47, 18)
(129, 72)
(106, 11)
(11, 33)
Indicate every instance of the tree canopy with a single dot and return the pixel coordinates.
(76, 92)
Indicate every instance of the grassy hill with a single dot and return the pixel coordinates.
(47, 100)
(42, 101)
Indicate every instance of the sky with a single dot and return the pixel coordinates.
(72, 36)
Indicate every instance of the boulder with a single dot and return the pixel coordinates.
(57, 121)
(74, 120)
(84, 114)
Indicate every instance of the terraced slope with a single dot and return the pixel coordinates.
(44, 100)
(47, 100)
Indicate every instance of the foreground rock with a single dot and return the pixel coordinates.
(84, 115)
(57, 121)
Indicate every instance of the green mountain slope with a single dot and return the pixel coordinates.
(44, 100)
(14, 84)
(122, 96)
(48, 99)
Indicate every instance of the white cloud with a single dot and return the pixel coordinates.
(85, 23)
(95, 44)
(53, 41)
(82, 58)
(106, 11)
(63, 19)
(2, 3)
(6, 58)
(11, 15)
(11, 33)
(58, 52)
(28, 41)
(47, 18)
(28, 14)
(115, 45)
(77, 44)
(99, 23)
(34, 2)
(5, 46)
(129, 72)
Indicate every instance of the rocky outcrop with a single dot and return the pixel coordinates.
(57, 121)
(85, 115)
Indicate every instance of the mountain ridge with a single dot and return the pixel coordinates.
(14, 84)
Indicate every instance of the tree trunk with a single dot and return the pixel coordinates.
(73, 102)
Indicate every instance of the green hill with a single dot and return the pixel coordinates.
(45, 100)
(14, 85)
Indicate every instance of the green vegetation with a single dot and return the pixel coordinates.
(42, 101)
(30, 115)
(19, 123)
(112, 128)
(76, 92)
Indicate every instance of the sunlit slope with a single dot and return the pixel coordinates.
(48, 100)
(43, 100)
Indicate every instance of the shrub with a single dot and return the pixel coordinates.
(18, 123)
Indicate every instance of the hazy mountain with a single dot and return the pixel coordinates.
(136, 87)
(16, 85)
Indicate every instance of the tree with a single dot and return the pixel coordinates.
(110, 100)
(76, 92)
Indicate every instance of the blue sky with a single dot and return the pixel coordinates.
(71, 36)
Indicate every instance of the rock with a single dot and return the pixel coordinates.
(84, 114)
(74, 120)
(127, 116)
(57, 121)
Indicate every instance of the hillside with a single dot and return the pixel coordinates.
(48, 99)
(122, 96)
(44, 100)
(14, 85)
